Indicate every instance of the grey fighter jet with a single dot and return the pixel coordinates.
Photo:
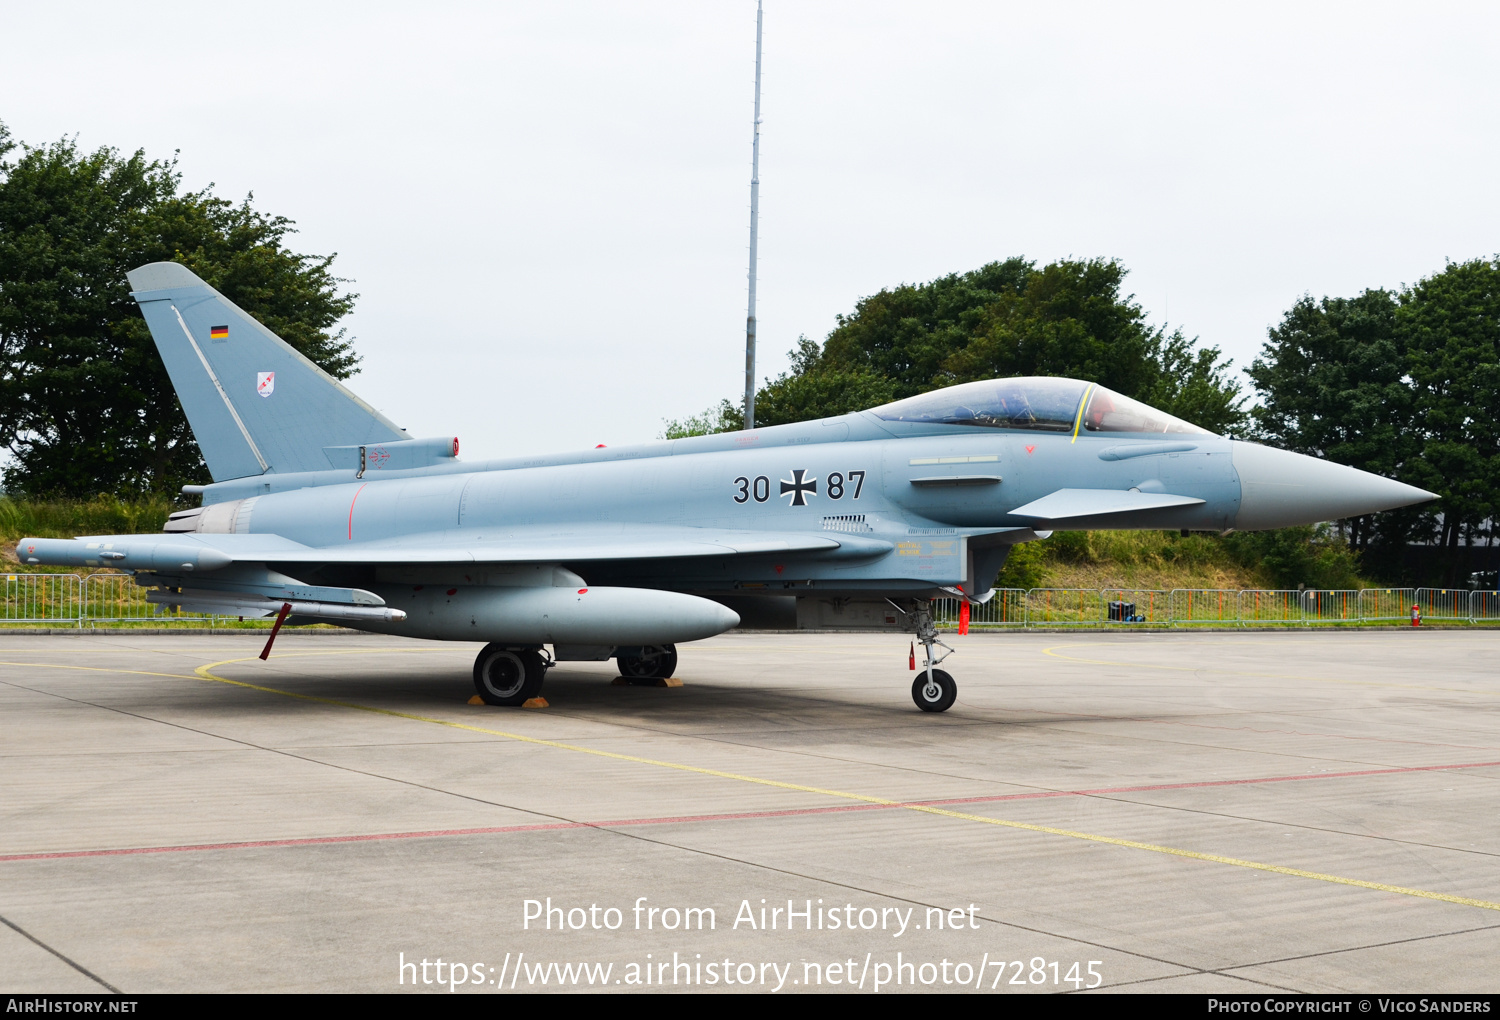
(322, 510)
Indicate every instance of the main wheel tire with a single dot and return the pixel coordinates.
(937, 696)
(508, 676)
(662, 663)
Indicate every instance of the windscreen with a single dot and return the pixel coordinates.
(1050, 404)
(1107, 411)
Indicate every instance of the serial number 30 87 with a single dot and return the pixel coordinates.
(799, 487)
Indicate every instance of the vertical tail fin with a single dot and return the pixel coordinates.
(255, 404)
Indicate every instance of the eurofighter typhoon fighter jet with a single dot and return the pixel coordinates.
(322, 510)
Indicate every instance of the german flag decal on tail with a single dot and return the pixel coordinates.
(218, 333)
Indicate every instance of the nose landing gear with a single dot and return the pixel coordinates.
(934, 689)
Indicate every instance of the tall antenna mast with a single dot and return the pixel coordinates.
(754, 217)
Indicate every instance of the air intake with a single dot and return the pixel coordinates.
(846, 522)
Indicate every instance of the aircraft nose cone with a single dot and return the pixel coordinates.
(1279, 489)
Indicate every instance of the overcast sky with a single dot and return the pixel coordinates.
(544, 205)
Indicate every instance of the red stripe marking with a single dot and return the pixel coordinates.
(351, 510)
(733, 816)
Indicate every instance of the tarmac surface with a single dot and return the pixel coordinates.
(1239, 813)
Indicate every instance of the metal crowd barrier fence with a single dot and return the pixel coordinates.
(1271, 606)
(1443, 603)
(1484, 606)
(1335, 606)
(1006, 608)
(40, 598)
(1386, 603)
(115, 598)
(1203, 605)
(77, 601)
(1064, 607)
(1135, 605)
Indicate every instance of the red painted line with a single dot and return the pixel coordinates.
(309, 841)
(351, 510)
(732, 816)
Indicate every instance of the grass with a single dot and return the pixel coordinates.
(1163, 560)
(69, 518)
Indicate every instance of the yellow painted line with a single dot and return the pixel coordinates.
(206, 672)
(100, 669)
(1081, 409)
(1056, 654)
(1216, 858)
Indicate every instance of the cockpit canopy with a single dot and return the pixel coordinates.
(1044, 403)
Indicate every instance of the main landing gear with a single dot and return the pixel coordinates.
(509, 676)
(654, 661)
(933, 690)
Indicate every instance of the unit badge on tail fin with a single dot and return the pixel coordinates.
(265, 383)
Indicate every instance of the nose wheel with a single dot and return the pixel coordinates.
(934, 693)
(934, 689)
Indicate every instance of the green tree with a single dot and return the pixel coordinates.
(85, 403)
(1004, 319)
(807, 391)
(1449, 324)
(1405, 385)
(818, 388)
(909, 334)
(723, 418)
(1332, 377)
(1010, 318)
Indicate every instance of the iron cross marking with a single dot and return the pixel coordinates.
(798, 488)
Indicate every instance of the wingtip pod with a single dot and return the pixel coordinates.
(1280, 489)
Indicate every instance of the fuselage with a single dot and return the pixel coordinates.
(920, 490)
(910, 500)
